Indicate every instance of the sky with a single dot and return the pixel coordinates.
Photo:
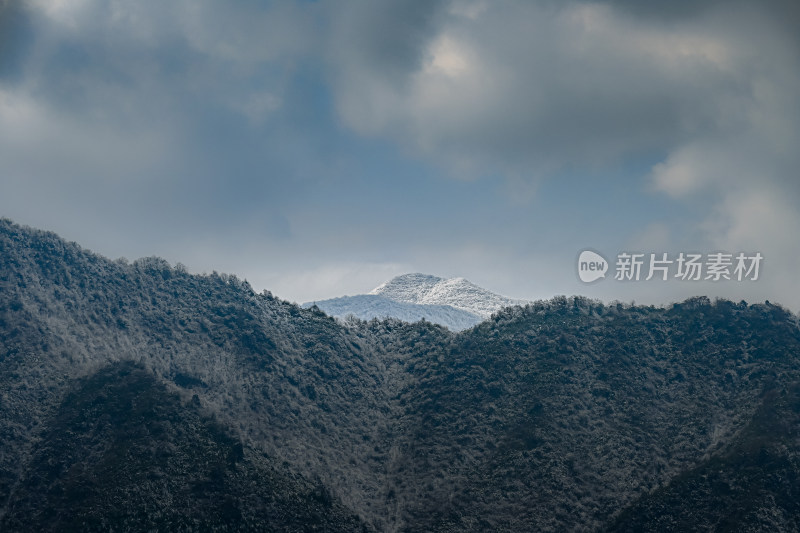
(317, 149)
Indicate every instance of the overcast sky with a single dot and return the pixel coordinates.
(319, 148)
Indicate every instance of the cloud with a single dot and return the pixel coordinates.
(538, 87)
(168, 108)
(535, 90)
(328, 135)
(745, 174)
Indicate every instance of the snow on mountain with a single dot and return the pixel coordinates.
(369, 306)
(455, 292)
(454, 303)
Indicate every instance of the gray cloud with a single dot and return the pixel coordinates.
(538, 90)
(387, 38)
(301, 140)
(535, 87)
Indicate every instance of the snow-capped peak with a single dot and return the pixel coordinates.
(454, 303)
(409, 288)
(432, 290)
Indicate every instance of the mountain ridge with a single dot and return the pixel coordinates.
(376, 306)
(558, 415)
(457, 292)
(454, 303)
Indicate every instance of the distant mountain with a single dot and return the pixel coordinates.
(139, 397)
(369, 306)
(455, 292)
(454, 303)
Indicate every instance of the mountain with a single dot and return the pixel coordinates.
(369, 306)
(123, 453)
(753, 481)
(136, 396)
(455, 292)
(454, 303)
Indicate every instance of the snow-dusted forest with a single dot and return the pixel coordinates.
(136, 396)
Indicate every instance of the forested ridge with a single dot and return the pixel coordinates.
(137, 396)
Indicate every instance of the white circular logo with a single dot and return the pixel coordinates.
(591, 266)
